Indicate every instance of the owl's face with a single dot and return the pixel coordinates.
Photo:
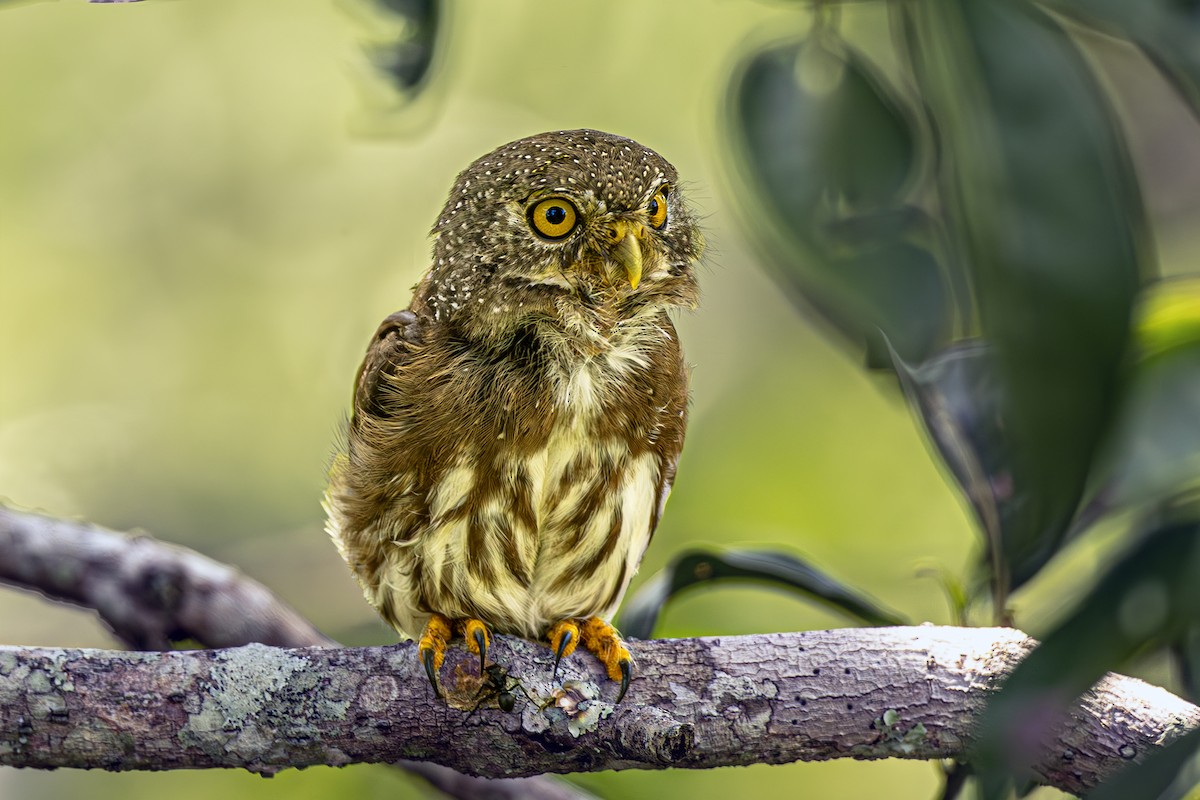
(560, 222)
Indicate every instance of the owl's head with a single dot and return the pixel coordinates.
(558, 224)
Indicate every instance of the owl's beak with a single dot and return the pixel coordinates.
(626, 248)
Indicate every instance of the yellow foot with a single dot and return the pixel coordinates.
(478, 638)
(439, 630)
(432, 647)
(598, 638)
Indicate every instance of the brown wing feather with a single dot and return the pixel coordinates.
(672, 423)
(358, 490)
(390, 350)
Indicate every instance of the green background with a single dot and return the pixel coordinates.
(207, 206)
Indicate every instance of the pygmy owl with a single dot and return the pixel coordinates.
(515, 431)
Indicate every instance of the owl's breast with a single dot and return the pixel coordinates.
(543, 504)
(533, 538)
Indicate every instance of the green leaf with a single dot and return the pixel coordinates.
(798, 102)
(408, 54)
(1153, 777)
(824, 147)
(959, 400)
(1148, 599)
(1169, 316)
(1047, 213)
(1157, 447)
(1167, 30)
(702, 567)
(1186, 654)
(1155, 450)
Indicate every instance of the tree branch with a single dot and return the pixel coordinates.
(150, 593)
(695, 703)
(862, 693)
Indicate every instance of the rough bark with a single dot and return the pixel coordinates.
(892, 692)
(696, 703)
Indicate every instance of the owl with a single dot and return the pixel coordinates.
(515, 430)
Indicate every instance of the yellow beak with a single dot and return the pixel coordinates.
(626, 251)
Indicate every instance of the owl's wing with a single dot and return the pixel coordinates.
(391, 349)
(668, 463)
(671, 425)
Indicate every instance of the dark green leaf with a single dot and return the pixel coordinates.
(821, 127)
(1149, 598)
(1153, 777)
(1157, 447)
(827, 152)
(1155, 452)
(407, 58)
(1048, 214)
(1167, 30)
(958, 777)
(700, 567)
(1186, 653)
(959, 400)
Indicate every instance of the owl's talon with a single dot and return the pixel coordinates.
(626, 673)
(428, 657)
(603, 641)
(432, 647)
(478, 639)
(481, 643)
(563, 637)
(563, 643)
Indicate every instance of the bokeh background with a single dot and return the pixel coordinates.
(206, 208)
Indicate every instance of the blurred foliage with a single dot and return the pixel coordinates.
(1150, 598)
(405, 51)
(828, 153)
(957, 395)
(1049, 219)
(1169, 773)
(1166, 30)
(193, 256)
(1052, 406)
(697, 568)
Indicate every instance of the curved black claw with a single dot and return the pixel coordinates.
(562, 647)
(481, 640)
(431, 671)
(626, 671)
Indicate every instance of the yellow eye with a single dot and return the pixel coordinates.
(553, 217)
(657, 208)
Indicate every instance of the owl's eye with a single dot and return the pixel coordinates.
(553, 217)
(657, 208)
